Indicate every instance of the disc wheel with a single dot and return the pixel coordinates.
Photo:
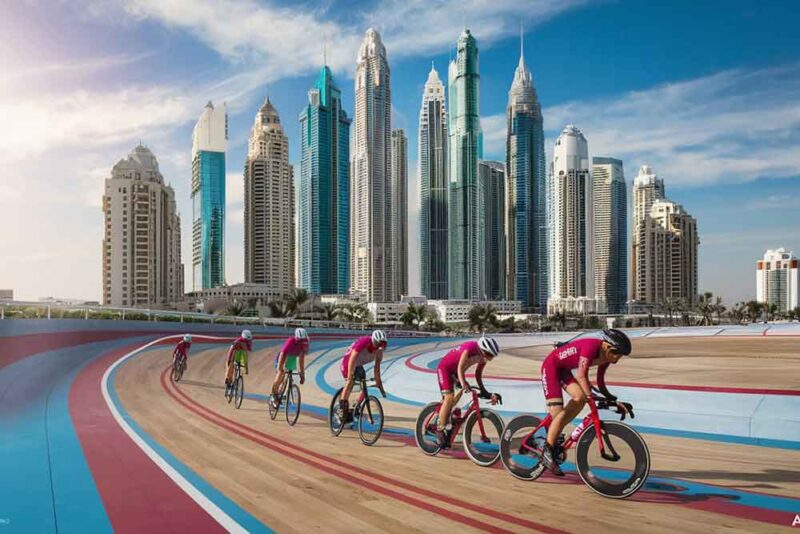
(335, 422)
(293, 405)
(370, 420)
(622, 476)
(425, 429)
(483, 450)
(520, 451)
(238, 392)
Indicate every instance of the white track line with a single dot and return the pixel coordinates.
(226, 521)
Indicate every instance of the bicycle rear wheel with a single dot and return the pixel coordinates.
(520, 461)
(370, 420)
(425, 429)
(618, 477)
(238, 391)
(292, 404)
(335, 421)
(483, 450)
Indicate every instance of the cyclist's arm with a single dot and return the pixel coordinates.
(479, 377)
(601, 381)
(377, 372)
(302, 365)
(462, 368)
(231, 351)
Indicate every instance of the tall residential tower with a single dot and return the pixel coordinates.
(610, 234)
(433, 189)
(269, 252)
(493, 182)
(466, 210)
(209, 141)
(399, 201)
(323, 233)
(371, 239)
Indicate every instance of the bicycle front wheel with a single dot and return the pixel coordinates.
(370, 420)
(273, 409)
(483, 448)
(626, 464)
(238, 392)
(177, 371)
(520, 448)
(425, 429)
(335, 419)
(292, 404)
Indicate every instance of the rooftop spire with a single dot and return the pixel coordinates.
(521, 44)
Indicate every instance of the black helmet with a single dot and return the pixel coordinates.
(619, 340)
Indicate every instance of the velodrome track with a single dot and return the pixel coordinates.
(95, 437)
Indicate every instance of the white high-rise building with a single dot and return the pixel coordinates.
(399, 186)
(142, 239)
(569, 220)
(610, 234)
(777, 280)
(269, 222)
(371, 239)
(647, 188)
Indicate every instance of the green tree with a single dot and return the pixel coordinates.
(279, 309)
(482, 317)
(235, 308)
(296, 301)
(414, 316)
(328, 310)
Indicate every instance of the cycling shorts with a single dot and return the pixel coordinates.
(289, 364)
(555, 378)
(241, 357)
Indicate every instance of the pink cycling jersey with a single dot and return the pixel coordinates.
(558, 365)
(292, 347)
(365, 353)
(447, 370)
(181, 349)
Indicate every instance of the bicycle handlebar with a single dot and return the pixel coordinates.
(622, 408)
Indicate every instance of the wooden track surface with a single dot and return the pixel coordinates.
(298, 479)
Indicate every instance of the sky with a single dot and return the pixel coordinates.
(708, 93)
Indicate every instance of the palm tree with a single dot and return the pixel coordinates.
(719, 309)
(279, 308)
(705, 307)
(328, 310)
(296, 300)
(668, 307)
(235, 308)
(414, 316)
(481, 317)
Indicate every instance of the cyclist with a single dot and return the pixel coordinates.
(239, 349)
(295, 347)
(453, 368)
(557, 367)
(363, 350)
(182, 351)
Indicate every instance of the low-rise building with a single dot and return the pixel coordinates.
(457, 311)
(6, 294)
(576, 305)
(215, 298)
(387, 312)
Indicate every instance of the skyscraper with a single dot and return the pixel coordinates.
(493, 182)
(777, 280)
(269, 252)
(466, 210)
(371, 239)
(209, 141)
(647, 188)
(433, 189)
(570, 216)
(526, 227)
(142, 239)
(399, 186)
(323, 234)
(610, 234)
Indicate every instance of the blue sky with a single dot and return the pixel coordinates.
(706, 92)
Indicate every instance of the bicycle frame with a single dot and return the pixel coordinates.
(592, 417)
(474, 406)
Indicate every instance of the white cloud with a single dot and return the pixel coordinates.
(772, 202)
(733, 126)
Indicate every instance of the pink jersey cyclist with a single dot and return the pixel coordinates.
(292, 347)
(558, 365)
(447, 370)
(365, 353)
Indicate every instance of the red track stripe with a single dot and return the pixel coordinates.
(278, 445)
(137, 494)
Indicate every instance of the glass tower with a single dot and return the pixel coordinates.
(209, 140)
(324, 195)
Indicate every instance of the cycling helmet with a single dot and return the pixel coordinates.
(490, 345)
(187, 338)
(247, 334)
(300, 333)
(378, 337)
(618, 340)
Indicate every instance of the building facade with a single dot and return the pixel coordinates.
(570, 217)
(323, 227)
(269, 252)
(399, 215)
(371, 239)
(668, 244)
(433, 189)
(492, 177)
(457, 311)
(209, 142)
(647, 188)
(142, 239)
(610, 201)
(466, 210)
(526, 195)
(777, 280)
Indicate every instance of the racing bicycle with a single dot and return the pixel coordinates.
(366, 415)
(289, 396)
(178, 367)
(235, 390)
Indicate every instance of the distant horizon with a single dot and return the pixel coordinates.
(86, 82)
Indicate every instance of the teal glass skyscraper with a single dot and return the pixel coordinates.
(209, 141)
(526, 226)
(324, 194)
(466, 207)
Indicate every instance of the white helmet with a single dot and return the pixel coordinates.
(489, 344)
(300, 333)
(378, 337)
(247, 334)
(187, 338)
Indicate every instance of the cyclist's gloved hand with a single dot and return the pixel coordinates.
(484, 394)
(302, 378)
(625, 408)
(498, 397)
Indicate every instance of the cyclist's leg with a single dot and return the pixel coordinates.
(570, 411)
(554, 400)
(279, 374)
(348, 370)
(446, 386)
